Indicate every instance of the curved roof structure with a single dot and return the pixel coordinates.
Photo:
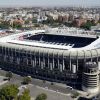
(13, 41)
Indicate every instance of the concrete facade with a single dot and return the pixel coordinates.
(49, 64)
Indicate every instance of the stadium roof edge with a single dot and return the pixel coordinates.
(72, 54)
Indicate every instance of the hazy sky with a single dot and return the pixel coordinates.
(49, 3)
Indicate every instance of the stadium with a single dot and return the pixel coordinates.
(55, 55)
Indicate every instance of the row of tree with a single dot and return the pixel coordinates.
(7, 25)
(52, 22)
(10, 92)
(26, 80)
(88, 25)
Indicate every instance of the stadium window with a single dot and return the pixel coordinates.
(55, 63)
(17, 54)
(66, 65)
(24, 54)
(8, 58)
(3, 50)
(29, 61)
(28, 55)
(24, 60)
(10, 52)
(46, 62)
(21, 55)
(11, 59)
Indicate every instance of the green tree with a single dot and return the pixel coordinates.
(34, 20)
(9, 92)
(27, 80)
(88, 25)
(36, 25)
(26, 21)
(52, 83)
(4, 24)
(41, 96)
(49, 21)
(2, 97)
(25, 95)
(9, 75)
(17, 25)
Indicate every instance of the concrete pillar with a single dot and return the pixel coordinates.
(48, 61)
(35, 59)
(63, 65)
(32, 60)
(74, 68)
(70, 61)
(33, 63)
(51, 66)
(43, 61)
(77, 62)
(27, 58)
(53, 62)
(58, 62)
(39, 59)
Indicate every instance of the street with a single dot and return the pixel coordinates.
(54, 92)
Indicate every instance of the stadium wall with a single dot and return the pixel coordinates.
(48, 64)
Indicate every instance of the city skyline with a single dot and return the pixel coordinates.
(23, 3)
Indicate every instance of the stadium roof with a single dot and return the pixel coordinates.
(14, 40)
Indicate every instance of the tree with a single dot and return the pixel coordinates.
(88, 25)
(25, 95)
(36, 25)
(34, 20)
(2, 97)
(4, 24)
(49, 21)
(9, 75)
(41, 96)
(27, 80)
(26, 21)
(9, 92)
(75, 95)
(17, 25)
(52, 83)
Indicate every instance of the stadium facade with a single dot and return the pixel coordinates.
(55, 56)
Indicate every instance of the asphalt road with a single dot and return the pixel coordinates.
(52, 95)
(54, 92)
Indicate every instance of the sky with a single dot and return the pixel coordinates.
(9, 3)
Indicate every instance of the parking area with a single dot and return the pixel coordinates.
(54, 91)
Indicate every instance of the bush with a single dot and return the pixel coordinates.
(27, 80)
(75, 95)
(9, 92)
(41, 96)
(25, 95)
(52, 83)
(9, 75)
